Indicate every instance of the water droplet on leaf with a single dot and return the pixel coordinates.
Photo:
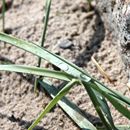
(83, 76)
(63, 66)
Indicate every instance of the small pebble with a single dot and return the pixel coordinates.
(65, 44)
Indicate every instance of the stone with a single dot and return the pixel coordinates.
(65, 44)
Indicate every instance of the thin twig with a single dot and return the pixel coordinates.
(101, 69)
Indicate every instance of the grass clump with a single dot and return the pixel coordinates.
(71, 74)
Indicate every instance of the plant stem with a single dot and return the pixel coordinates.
(3, 15)
(47, 12)
(53, 102)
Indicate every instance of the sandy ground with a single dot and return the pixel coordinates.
(69, 20)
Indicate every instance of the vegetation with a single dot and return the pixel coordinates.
(71, 75)
(3, 15)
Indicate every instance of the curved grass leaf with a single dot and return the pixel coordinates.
(71, 109)
(54, 101)
(65, 66)
(62, 64)
(101, 107)
(36, 71)
(47, 55)
(119, 106)
(119, 127)
(107, 91)
(114, 101)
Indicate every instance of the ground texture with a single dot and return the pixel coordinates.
(70, 21)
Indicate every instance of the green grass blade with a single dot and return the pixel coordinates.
(119, 106)
(62, 64)
(70, 108)
(43, 53)
(103, 104)
(36, 71)
(105, 90)
(3, 15)
(59, 96)
(119, 127)
(101, 107)
(47, 12)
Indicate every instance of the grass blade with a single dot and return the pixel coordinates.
(107, 91)
(3, 15)
(63, 65)
(47, 55)
(119, 127)
(71, 109)
(59, 96)
(103, 103)
(36, 71)
(119, 106)
(115, 101)
(47, 12)
(101, 107)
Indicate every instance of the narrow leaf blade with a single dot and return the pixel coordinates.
(54, 101)
(71, 109)
(36, 71)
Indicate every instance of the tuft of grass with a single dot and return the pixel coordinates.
(72, 75)
(97, 91)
